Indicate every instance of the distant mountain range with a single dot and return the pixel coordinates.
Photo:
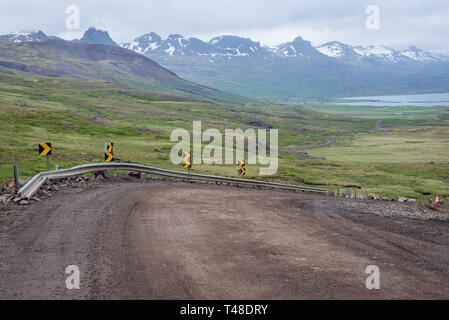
(340, 50)
(293, 69)
(23, 36)
(233, 46)
(297, 68)
(45, 56)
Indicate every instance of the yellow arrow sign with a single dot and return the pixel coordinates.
(242, 171)
(186, 159)
(44, 149)
(242, 163)
(109, 156)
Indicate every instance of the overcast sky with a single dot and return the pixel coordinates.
(424, 23)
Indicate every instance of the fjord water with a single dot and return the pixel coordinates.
(418, 100)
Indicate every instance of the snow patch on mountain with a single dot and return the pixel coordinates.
(25, 36)
(342, 51)
(333, 50)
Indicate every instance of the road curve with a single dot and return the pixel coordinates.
(162, 240)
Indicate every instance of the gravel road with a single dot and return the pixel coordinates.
(165, 240)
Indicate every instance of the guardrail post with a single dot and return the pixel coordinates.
(16, 175)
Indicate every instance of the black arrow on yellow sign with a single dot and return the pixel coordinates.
(242, 170)
(109, 152)
(186, 159)
(45, 149)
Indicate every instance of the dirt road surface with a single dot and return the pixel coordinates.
(162, 240)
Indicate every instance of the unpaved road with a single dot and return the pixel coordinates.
(163, 240)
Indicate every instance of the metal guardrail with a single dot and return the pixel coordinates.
(32, 186)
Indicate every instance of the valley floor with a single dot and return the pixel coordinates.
(394, 157)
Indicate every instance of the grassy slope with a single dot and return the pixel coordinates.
(309, 78)
(78, 116)
(58, 58)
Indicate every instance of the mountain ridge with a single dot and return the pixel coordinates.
(294, 69)
(229, 46)
(76, 59)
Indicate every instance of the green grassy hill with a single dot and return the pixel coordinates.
(58, 58)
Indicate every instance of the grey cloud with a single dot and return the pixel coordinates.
(415, 22)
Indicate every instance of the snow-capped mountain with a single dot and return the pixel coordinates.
(298, 47)
(420, 55)
(222, 46)
(338, 50)
(177, 45)
(343, 51)
(292, 69)
(144, 43)
(228, 46)
(234, 46)
(26, 36)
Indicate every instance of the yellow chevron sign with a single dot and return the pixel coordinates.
(45, 149)
(186, 159)
(242, 170)
(109, 152)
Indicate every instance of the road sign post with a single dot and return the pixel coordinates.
(45, 150)
(242, 169)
